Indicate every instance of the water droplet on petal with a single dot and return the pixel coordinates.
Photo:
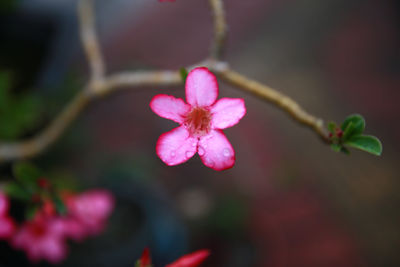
(209, 162)
(226, 152)
(201, 151)
(194, 144)
(188, 154)
(172, 153)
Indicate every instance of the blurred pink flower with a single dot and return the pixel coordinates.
(201, 123)
(41, 239)
(90, 209)
(7, 225)
(44, 237)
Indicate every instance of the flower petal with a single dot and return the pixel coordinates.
(7, 227)
(191, 260)
(176, 146)
(227, 112)
(4, 204)
(201, 87)
(169, 107)
(215, 151)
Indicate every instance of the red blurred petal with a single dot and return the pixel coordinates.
(145, 260)
(191, 260)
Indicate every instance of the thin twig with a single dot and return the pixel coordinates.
(141, 78)
(220, 28)
(90, 41)
(280, 100)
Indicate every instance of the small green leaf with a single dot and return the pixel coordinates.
(15, 190)
(26, 173)
(367, 143)
(332, 127)
(184, 74)
(358, 124)
(336, 147)
(348, 131)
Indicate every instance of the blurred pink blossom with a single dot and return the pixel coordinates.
(7, 225)
(90, 209)
(45, 236)
(201, 121)
(41, 239)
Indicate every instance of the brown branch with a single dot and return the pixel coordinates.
(90, 41)
(220, 28)
(141, 78)
(277, 98)
(100, 85)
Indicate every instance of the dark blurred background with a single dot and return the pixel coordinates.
(290, 200)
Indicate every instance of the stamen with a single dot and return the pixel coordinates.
(198, 121)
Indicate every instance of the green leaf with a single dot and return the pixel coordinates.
(15, 190)
(27, 174)
(332, 127)
(358, 124)
(367, 143)
(336, 147)
(348, 132)
(184, 74)
(19, 113)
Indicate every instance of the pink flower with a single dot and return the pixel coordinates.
(90, 209)
(41, 239)
(7, 225)
(201, 123)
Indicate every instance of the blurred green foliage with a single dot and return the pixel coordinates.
(7, 5)
(18, 113)
(33, 187)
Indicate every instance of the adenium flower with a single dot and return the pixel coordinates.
(201, 121)
(91, 209)
(45, 236)
(7, 225)
(41, 238)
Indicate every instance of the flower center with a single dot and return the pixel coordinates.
(37, 229)
(197, 121)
